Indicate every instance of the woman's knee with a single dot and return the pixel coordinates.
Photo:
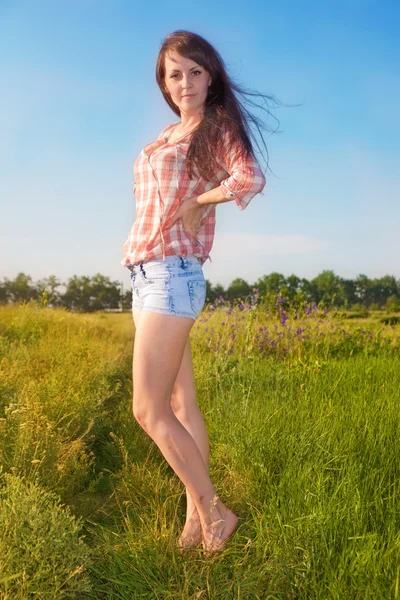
(183, 401)
(141, 415)
(148, 416)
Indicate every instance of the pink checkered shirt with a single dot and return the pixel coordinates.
(161, 183)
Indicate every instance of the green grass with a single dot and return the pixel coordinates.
(304, 425)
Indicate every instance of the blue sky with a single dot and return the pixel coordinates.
(78, 100)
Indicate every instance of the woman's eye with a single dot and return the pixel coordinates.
(175, 74)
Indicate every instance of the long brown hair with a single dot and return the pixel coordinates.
(224, 113)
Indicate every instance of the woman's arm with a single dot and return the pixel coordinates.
(246, 178)
(216, 195)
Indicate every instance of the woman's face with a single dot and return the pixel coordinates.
(182, 77)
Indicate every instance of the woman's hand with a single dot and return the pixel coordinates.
(190, 212)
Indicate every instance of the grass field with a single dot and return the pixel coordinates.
(302, 410)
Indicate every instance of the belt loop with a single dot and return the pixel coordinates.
(182, 263)
(141, 268)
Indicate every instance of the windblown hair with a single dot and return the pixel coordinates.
(224, 113)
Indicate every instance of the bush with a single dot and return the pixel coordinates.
(392, 304)
(41, 552)
(358, 311)
(375, 306)
(391, 320)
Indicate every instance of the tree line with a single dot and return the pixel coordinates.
(89, 294)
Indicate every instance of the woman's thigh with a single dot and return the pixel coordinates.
(136, 315)
(183, 395)
(159, 346)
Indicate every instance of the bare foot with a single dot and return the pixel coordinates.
(191, 535)
(216, 533)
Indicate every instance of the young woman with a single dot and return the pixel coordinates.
(204, 159)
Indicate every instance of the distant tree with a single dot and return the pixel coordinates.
(328, 288)
(349, 291)
(19, 289)
(239, 288)
(3, 293)
(293, 284)
(214, 292)
(308, 290)
(104, 293)
(126, 299)
(271, 283)
(363, 289)
(383, 288)
(49, 286)
(77, 294)
(88, 295)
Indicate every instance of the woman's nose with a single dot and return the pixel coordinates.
(186, 84)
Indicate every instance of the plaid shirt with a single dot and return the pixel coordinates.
(161, 183)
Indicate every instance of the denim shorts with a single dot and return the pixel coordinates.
(175, 286)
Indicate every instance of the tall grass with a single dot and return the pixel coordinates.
(302, 413)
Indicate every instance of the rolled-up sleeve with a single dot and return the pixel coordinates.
(246, 178)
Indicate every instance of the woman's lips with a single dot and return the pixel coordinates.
(188, 96)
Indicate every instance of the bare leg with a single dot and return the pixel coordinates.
(159, 346)
(187, 411)
(194, 424)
